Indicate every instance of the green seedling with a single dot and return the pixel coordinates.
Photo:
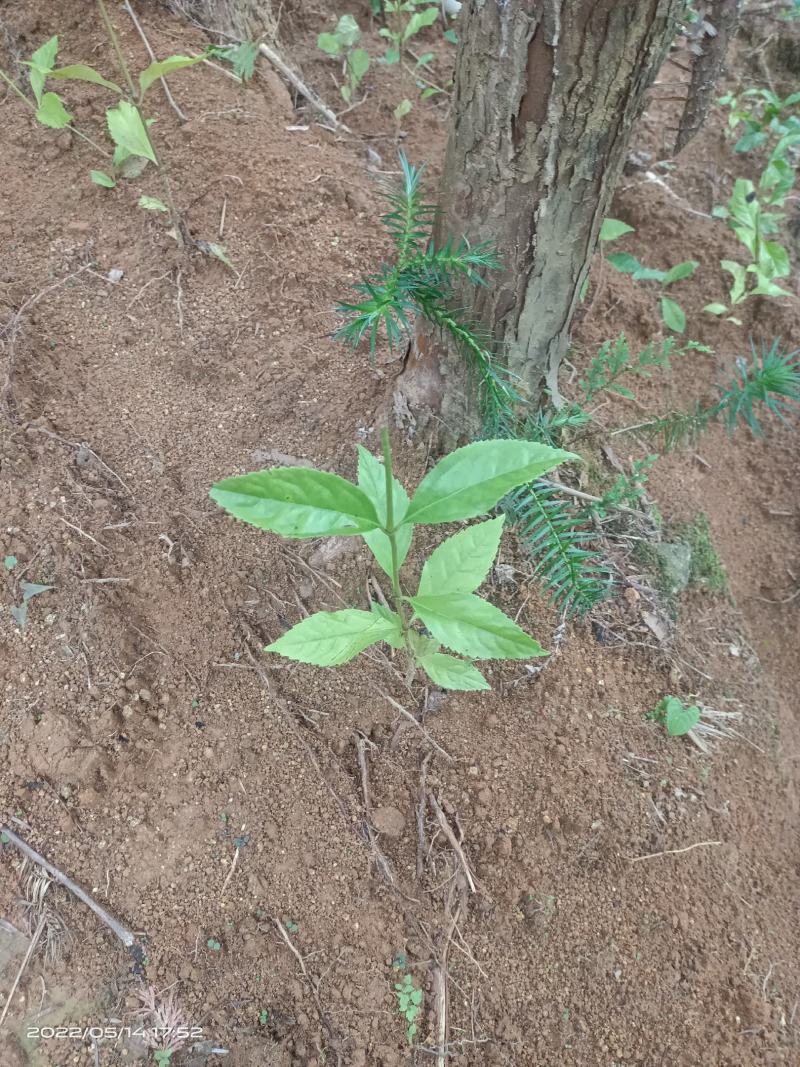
(405, 19)
(672, 314)
(409, 1003)
(242, 57)
(676, 717)
(127, 126)
(763, 116)
(342, 44)
(445, 610)
(163, 1056)
(614, 359)
(628, 490)
(753, 224)
(770, 380)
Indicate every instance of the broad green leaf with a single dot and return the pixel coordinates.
(739, 278)
(471, 480)
(128, 131)
(474, 627)
(391, 57)
(450, 36)
(99, 177)
(328, 44)
(332, 637)
(777, 257)
(678, 719)
(716, 309)
(681, 271)
(51, 112)
(372, 479)
(402, 109)
(461, 563)
(451, 673)
(80, 72)
(10, 562)
(347, 93)
(358, 63)
(41, 63)
(347, 31)
(612, 229)
(395, 637)
(768, 288)
(624, 262)
(649, 274)
(162, 67)
(419, 20)
(673, 315)
(150, 203)
(297, 502)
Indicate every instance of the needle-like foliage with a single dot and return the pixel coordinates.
(771, 379)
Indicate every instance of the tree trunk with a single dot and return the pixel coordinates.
(715, 31)
(546, 96)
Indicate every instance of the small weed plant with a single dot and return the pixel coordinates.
(672, 314)
(127, 125)
(748, 215)
(342, 44)
(676, 717)
(409, 1004)
(445, 610)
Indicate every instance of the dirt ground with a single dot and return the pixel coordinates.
(213, 801)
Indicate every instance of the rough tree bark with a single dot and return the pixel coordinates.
(546, 95)
(717, 28)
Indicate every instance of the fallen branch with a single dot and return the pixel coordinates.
(122, 932)
(293, 79)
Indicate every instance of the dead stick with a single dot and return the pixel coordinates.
(23, 965)
(674, 851)
(122, 932)
(229, 875)
(381, 861)
(170, 99)
(302, 88)
(418, 724)
(451, 837)
(422, 805)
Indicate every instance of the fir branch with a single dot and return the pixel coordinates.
(571, 574)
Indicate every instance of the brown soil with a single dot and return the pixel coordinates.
(144, 746)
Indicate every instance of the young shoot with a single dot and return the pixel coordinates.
(445, 611)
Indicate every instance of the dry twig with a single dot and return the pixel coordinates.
(674, 851)
(122, 932)
(170, 99)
